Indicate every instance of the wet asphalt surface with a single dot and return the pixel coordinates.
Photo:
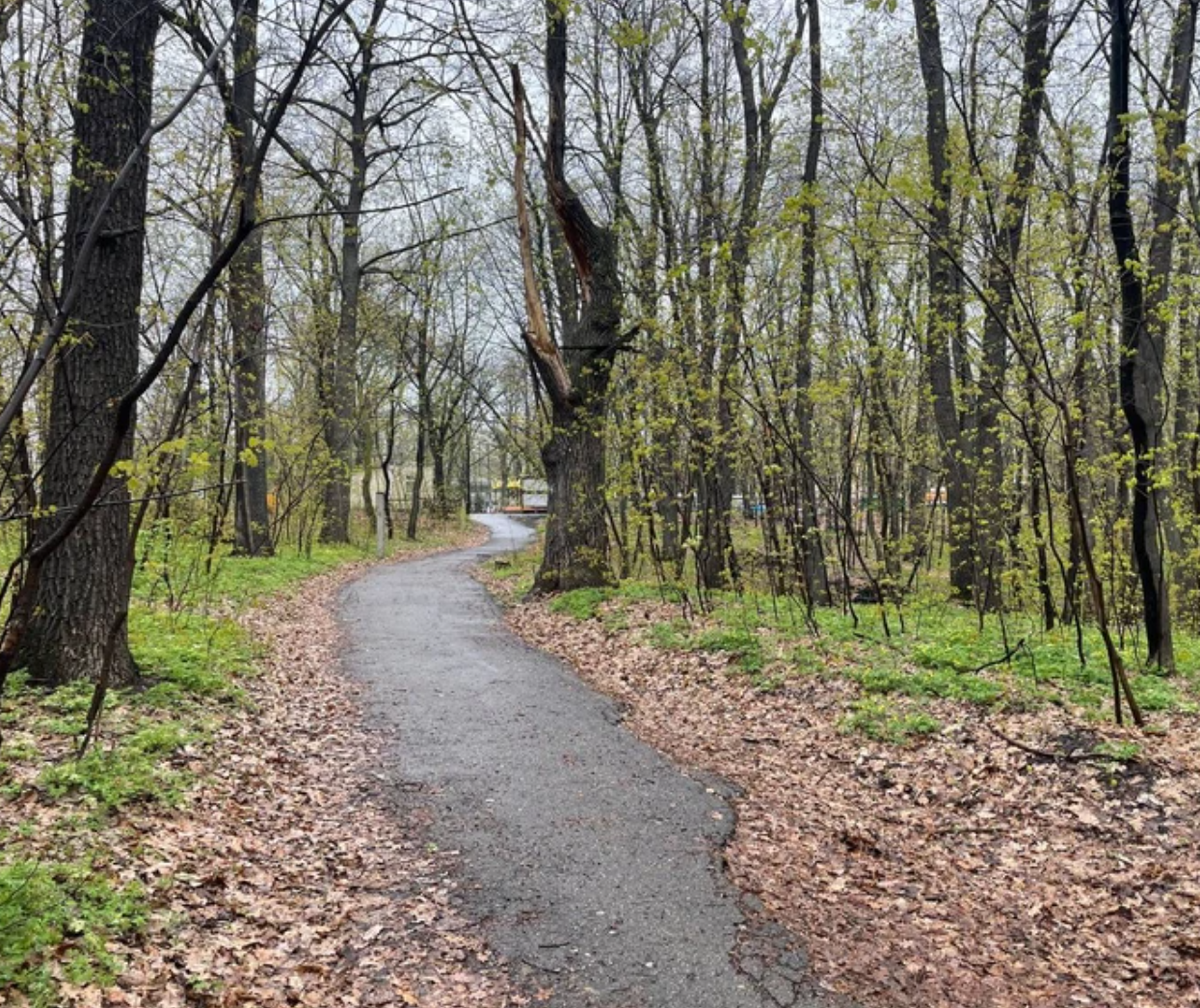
(592, 862)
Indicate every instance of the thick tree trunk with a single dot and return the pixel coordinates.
(575, 375)
(82, 591)
(576, 549)
(247, 312)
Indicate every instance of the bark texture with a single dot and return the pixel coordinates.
(575, 376)
(248, 300)
(82, 590)
(990, 493)
(943, 330)
(1141, 378)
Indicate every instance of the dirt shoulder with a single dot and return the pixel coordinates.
(952, 872)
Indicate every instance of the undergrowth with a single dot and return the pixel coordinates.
(930, 651)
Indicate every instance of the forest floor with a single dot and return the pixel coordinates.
(234, 837)
(951, 854)
(257, 861)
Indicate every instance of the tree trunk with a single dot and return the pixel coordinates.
(816, 579)
(414, 505)
(576, 550)
(575, 376)
(366, 451)
(999, 271)
(424, 423)
(337, 384)
(82, 591)
(944, 325)
(248, 301)
(1171, 116)
(1140, 377)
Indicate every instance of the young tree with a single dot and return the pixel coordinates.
(944, 348)
(1141, 372)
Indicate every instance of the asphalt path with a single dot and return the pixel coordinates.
(592, 861)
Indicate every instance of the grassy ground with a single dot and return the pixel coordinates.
(902, 661)
(65, 895)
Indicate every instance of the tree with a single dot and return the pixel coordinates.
(248, 296)
(576, 374)
(944, 350)
(82, 591)
(1141, 373)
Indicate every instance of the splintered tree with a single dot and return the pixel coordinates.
(576, 374)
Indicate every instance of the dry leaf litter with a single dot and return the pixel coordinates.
(286, 878)
(955, 873)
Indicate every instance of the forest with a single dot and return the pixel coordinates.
(905, 305)
(874, 319)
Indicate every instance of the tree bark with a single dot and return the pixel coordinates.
(989, 490)
(82, 591)
(944, 324)
(1140, 374)
(575, 376)
(248, 300)
(812, 548)
(337, 377)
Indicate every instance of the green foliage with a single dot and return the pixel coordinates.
(944, 683)
(670, 636)
(938, 651)
(879, 720)
(65, 913)
(1119, 751)
(581, 603)
(137, 771)
(744, 645)
(188, 658)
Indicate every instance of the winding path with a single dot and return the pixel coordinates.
(592, 860)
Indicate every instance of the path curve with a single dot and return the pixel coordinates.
(592, 860)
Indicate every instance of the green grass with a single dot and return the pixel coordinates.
(931, 652)
(582, 603)
(60, 917)
(884, 722)
(517, 570)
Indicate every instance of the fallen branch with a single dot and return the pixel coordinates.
(1087, 757)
